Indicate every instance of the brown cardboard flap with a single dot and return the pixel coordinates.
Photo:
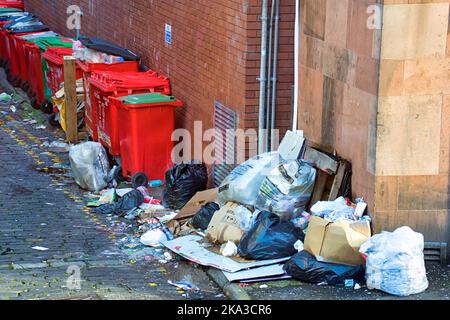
(197, 202)
(337, 242)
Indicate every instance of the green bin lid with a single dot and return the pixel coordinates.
(7, 10)
(147, 98)
(45, 42)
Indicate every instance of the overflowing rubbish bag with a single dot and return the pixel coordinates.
(334, 210)
(396, 263)
(270, 238)
(183, 181)
(90, 166)
(128, 202)
(204, 216)
(287, 189)
(243, 183)
(305, 267)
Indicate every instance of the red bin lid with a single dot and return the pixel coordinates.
(116, 81)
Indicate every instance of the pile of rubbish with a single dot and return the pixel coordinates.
(260, 224)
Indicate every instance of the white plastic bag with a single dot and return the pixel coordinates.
(90, 166)
(153, 238)
(243, 183)
(229, 249)
(334, 210)
(245, 217)
(395, 262)
(287, 189)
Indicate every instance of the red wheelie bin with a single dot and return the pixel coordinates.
(88, 68)
(147, 122)
(12, 4)
(117, 84)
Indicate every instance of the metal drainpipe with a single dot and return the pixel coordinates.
(269, 72)
(262, 78)
(297, 65)
(274, 77)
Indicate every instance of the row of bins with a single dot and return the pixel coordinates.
(130, 113)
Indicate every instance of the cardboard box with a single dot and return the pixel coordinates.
(197, 202)
(224, 226)
(337, 242)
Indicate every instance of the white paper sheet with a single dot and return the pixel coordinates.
(190, 248)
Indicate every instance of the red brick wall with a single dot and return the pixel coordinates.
(215, 55)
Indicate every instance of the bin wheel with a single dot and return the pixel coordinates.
(47, 107)
(52, 120)
(118, 175)
(139, 180)
(29, 91)
(25, 86)
(15, 81)
(34, 103)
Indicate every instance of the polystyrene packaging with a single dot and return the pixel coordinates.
(396, 263)
(90, 166)
(243, 183)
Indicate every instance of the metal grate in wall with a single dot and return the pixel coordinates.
(225, 124)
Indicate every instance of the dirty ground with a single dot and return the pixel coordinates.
(41, 207)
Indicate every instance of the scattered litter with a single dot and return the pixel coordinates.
(299, 246)
(7, 251)
(5, 98)
(153, 238)
(50, 204)
(38, 248)
(42, 127)
(273, 272)
(264, 286)
(357, 287)
(229, 249)
(192, 248)
(185, 286)
(57, 146)
(13, 109)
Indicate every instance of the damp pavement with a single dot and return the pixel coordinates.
(41, 206)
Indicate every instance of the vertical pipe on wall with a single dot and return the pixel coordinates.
(269, 72)
(262, 77)
(296, 65)
(274, 77)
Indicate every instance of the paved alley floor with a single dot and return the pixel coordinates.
(41, 206)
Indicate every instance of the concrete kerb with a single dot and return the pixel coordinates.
(231, 290)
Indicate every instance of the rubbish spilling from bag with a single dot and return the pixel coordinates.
(269, 220)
